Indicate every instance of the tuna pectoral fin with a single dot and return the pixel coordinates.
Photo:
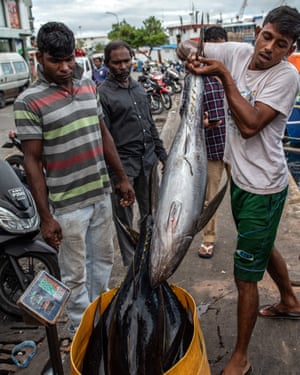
(212, 206)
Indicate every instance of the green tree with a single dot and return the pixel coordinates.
(154, 34)
(123, 31)
(151, 34)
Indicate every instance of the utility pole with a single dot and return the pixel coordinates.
(114, 14)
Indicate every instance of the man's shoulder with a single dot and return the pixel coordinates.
(286, 75)
(106, 84)
(236, 46)
(32, 92)
(292, 68)
(232, 50)
(106, 91)
(286, 72)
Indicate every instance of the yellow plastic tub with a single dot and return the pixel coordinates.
(194, 362)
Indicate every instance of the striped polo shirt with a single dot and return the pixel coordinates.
(68, 125)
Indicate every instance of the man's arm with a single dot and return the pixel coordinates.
(112, 158)
(250, 119)
(50, 228)
(159, 147)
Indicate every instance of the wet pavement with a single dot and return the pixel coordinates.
(275, 344)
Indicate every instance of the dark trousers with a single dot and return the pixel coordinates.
(125, 215)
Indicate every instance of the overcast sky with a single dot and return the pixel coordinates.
(90, 17)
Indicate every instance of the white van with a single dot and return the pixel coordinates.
(87, 66)
(14, 76)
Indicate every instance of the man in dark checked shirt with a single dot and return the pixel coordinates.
(213, 105)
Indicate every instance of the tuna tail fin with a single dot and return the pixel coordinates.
(212, 206)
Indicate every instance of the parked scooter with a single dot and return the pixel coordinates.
(171, 78)
(22, 255)
(155, 101)
(161, 88)
(157, 87)
(16, 159)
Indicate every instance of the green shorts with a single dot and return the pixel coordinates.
(257, 218)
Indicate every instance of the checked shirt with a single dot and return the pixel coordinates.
(213, 104)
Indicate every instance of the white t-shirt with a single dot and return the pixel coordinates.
(258, 164)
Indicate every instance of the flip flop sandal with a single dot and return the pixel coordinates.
(208, 248)
(271, 312)
(295, 282)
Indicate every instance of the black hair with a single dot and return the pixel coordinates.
(116, 44)
(215, 33)
(56, 39)
(286, 19)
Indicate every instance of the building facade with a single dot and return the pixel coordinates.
(16, 26)
(236, 31)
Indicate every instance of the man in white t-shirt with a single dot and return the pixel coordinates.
(260, 87)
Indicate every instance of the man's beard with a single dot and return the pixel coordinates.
(121, 76)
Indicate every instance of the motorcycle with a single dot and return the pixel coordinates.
(22, 255)
(158, 87)
(155, 101)
(16, 159)
(177, 66)
(171, 78)
(161, 88)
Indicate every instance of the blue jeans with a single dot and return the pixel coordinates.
(86, 254)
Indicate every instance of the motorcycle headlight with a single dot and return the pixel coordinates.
(14, 224)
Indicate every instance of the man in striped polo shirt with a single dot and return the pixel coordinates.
(66, 143)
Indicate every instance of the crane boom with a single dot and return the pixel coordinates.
(240, 14)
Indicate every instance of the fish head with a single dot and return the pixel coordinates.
(167, 251)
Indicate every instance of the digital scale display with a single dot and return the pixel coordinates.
(45, 298)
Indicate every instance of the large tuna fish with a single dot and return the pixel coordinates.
(178, 215)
